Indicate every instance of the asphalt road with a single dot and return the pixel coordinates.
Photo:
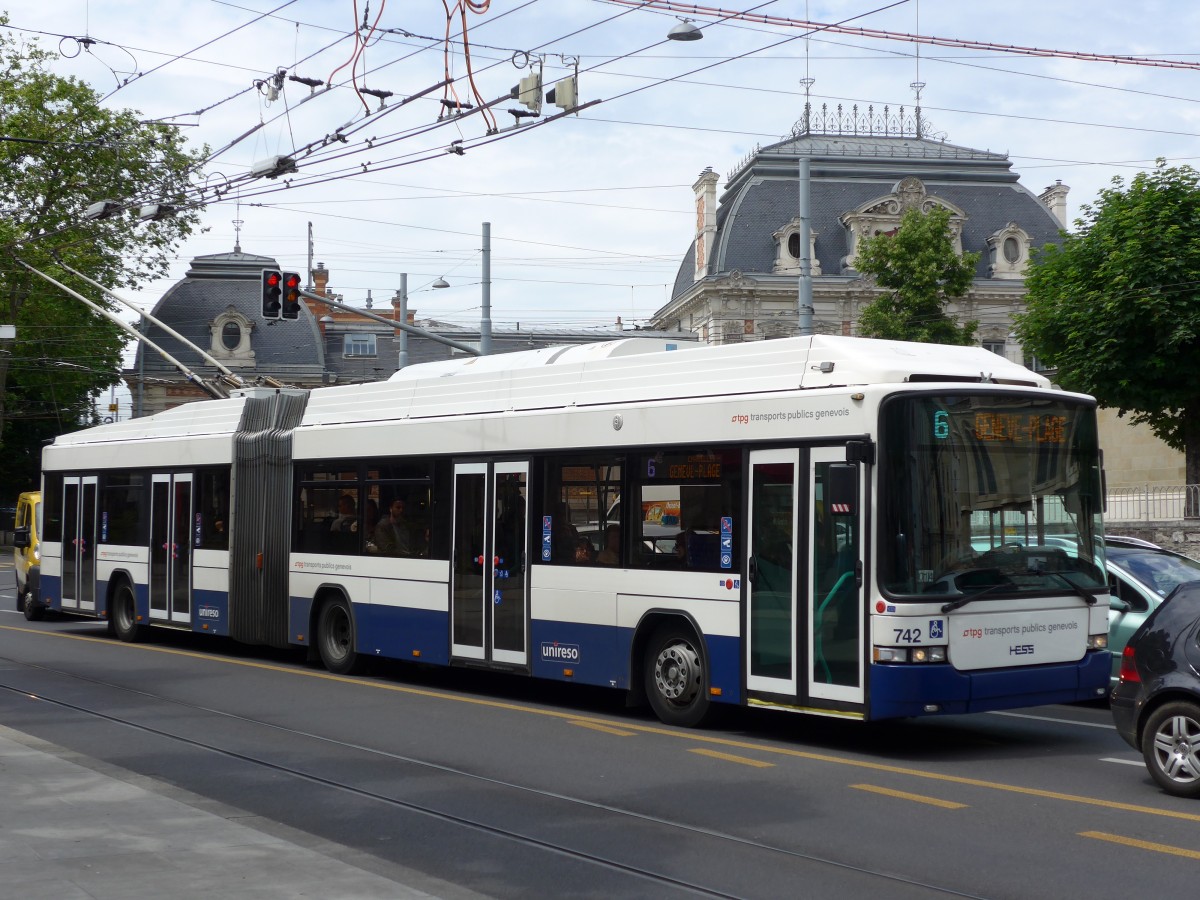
(504, 787)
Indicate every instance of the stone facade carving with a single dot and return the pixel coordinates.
(883, 214)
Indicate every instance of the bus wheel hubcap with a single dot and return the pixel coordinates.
(675, 672)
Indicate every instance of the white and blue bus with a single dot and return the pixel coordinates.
(831, 525)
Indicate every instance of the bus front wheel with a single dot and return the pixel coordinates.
(29, 605)
(675, 677)
(335, 637)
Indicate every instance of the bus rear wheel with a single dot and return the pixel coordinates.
(123, 615)
(675, 677)
(335, 637)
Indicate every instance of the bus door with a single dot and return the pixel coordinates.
(489, 578)
(835, 606)
(79, 544)
(773, 549)
(171, 548)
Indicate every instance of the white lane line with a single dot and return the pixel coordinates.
(1124, 762)
(1051, 719)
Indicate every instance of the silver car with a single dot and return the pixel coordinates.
(1141, 574)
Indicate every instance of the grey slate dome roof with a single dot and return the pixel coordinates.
(848, 171)
(212, 285)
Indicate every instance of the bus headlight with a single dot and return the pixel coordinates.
(928, 654)
(907, 654)
(1097, 641)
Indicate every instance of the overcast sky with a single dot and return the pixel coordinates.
(589, 214)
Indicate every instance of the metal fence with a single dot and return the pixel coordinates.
(1153, 504)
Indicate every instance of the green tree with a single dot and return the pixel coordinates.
(918, 265)
(1116, 306)
(61, 150)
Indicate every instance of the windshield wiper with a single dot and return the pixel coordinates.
(1090, 598)
(968, 598)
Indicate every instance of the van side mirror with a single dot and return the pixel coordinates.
(21, 538)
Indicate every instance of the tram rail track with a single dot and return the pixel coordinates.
(526, 840)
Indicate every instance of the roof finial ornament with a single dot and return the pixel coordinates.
(918, 84)
(807, 84)
(237, 225)
(917, 87)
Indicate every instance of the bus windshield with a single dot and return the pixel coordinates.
(983, 492)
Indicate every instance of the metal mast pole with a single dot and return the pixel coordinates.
(402, 361)
(485, 324)
(805, 257)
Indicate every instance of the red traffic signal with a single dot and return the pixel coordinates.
(291, 295)
(271, 291)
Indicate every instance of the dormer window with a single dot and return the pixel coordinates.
(883, 215)
(787, 250)
(229, 338)
(1008, 250)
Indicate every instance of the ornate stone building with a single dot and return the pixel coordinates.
(739, 279)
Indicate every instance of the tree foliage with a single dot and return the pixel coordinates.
(918, 265)
(1116, 306)
(61, 150)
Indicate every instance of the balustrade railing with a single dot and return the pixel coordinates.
(1153, 504)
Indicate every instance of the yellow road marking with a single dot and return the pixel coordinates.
(607, 729)
(1141, 845)
(678, 734)
(729, 757)
(904, 795)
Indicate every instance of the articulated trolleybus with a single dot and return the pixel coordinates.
(853, 528)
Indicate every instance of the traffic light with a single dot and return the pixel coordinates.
(291, 295)
(565, 93)
(271, 280)
(529, 91)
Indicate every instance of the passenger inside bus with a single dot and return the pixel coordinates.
(611, 554)
(392, 536)
(346, 520)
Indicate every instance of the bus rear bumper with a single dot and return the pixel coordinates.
(922, 690)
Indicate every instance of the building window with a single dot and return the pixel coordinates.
(1008, 252)
(1032, 362)
(231, 335)
(996, 347)
(359, 345)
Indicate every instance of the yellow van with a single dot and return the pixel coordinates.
(28, 563)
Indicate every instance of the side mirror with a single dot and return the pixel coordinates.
(1116, 604)
(21, 538)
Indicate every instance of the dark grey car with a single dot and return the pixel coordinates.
(1156, 703)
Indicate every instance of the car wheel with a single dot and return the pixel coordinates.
(1171, 747)
(29, 605)
(675, 677)
(335, 638)
(123, 615)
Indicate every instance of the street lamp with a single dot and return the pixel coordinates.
(440, 283)
(685, 31)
